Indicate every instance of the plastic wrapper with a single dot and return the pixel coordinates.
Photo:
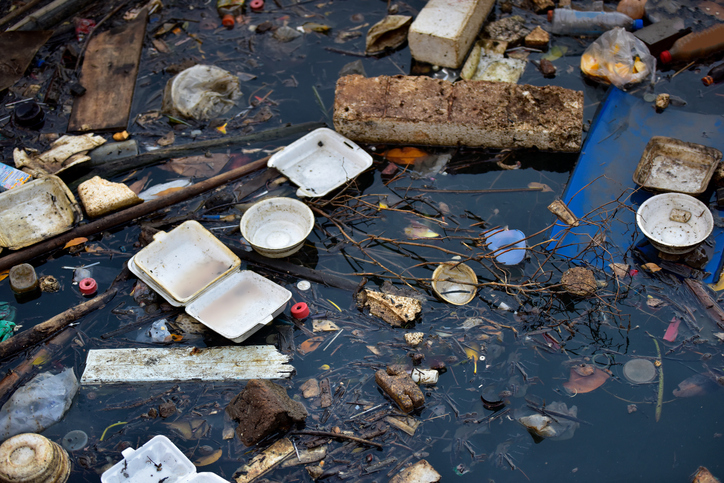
(39, 404)
(619, 58)
(201, 92)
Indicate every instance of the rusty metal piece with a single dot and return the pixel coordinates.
(400, 387)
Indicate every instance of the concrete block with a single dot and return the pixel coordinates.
(422, 110)
(444, 30)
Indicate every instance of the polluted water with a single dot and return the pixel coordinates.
(529, 382)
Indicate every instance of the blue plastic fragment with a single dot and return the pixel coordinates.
(511, 255)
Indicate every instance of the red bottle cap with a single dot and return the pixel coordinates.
(708, 80)
(228, 21)
(88, 286)
(665, 57)
(550, 15)
(257, 5)
(300, 310)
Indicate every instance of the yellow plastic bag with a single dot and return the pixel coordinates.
(619, 58)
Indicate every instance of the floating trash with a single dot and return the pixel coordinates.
(639, 371)
(75, 440)
(513, 254)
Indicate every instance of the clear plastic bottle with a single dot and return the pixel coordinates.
(228, 9)
(715, 75)
(565, 21)
(696, 45)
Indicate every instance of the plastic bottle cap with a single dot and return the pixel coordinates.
(88, 286)
(300, 310)
(227, 21)
(256, 4)
(638, 24)
(550, 15)
(665, 57)
(29, 114)
(708, 80)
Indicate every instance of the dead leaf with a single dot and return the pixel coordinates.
(418, 230)
(542, 186)
(620, 270)
(578, 384)
(209, 459)
(161, 46)
(406, 155)
(75, 241)
(4, 274)
(190, 429)
(389, 33)
(651, 267)
(167, 140)
(655, 303)
(137, 186)
(324, 326)
(316, 27)
(198, 166)
(374, 350)
(310, 345)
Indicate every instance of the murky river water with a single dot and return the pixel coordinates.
(524, 355)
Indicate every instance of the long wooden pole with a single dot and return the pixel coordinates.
(127, 215)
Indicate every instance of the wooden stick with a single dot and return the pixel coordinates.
(339, 436)
(19, 11)
(130, 214)
(28, 338)
(108, 169)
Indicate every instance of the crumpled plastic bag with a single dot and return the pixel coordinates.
(619, 58)
(39, 404)
(201, 92)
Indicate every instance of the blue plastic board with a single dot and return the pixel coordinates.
(602, 189)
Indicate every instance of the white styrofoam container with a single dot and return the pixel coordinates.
(185, 261)
(157, 460)
(320, 162)
(35, 211)
(444, 30)
(190, 267)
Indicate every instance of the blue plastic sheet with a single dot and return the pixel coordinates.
(602, 189)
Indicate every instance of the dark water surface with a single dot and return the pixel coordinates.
(520, 364)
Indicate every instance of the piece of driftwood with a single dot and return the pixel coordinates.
(340, 436)
(109, 76)
(18, 11)
(713, 309)
(265, 461)
(127, 215)
(281, 266)
(51, 14)
(230, 363)
(28, 338)
(123, 165)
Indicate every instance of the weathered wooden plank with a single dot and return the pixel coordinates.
(109, 76)
(107, 366)
(265, 461)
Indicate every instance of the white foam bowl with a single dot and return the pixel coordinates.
(664, 228)
(277, 227)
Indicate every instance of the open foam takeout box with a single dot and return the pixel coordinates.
(190, 267)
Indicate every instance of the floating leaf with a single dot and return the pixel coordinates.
(4, 274)
(374, 350)
(651, 267)
(620, 270)
(324, 326)
(167, 140)
(75, 242)
(417, 230)
(542, 186)
(190, 429)
(673, 330)
(556, 52)
(406, 155)
(198, 166)
(389, 33)
(137, 186)
(310, 345)
(209, 459)
(578, 384)
(697, 385)
(316, 27)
